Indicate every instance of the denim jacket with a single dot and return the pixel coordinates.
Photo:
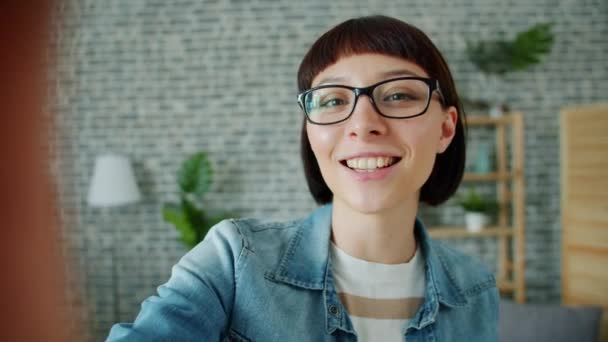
(256, 281)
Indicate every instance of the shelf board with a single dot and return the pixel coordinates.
(484, 120)
(491, 177)
(505, 286)
(462, 232)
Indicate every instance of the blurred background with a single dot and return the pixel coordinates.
(136, 88)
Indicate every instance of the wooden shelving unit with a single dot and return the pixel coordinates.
(510, 227)
(584, 207)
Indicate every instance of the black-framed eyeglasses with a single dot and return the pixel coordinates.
(399, 98)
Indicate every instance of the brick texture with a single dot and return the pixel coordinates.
(159, 80)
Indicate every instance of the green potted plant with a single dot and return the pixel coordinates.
(498, 57)
(477, 210)
(194, 178)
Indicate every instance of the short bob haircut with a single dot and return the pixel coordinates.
(391, 37)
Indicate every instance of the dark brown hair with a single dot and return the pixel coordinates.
(391, 37)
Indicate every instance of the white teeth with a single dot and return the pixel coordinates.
(362, 163)
(369, 164)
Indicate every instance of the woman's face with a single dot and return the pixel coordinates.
(348, 151)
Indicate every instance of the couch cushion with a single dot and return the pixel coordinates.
(543, 322)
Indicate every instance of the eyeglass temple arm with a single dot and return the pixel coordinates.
(438, 89)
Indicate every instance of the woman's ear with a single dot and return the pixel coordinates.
(448, 129)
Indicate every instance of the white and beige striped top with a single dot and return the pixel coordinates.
(380, 298)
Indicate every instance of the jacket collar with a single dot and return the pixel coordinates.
(305, 261)
(441, 286)
(305, 264)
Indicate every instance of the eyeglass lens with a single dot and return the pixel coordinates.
(399, 98)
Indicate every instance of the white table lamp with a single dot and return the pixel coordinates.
(113, 182)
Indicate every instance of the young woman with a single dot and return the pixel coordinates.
(383, 130)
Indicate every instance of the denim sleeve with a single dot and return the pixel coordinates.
(196, 302)
(495, 307)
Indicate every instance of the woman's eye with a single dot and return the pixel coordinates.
(398, 97)
(332, 103)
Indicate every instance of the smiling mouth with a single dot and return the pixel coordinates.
(369, 164)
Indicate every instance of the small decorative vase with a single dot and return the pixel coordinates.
(496, 109)
(483, 159)
(475, 221)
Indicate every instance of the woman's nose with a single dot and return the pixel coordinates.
(365, 120)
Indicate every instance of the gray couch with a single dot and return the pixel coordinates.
(553, 323)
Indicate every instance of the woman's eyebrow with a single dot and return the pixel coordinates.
(385, 74)
(399, 72)
(329, 80)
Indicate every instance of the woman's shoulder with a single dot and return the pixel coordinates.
(231, 242)
(254, 233)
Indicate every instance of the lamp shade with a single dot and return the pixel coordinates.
(113, 182)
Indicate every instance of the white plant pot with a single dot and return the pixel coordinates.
(496, 110)
(475, 221)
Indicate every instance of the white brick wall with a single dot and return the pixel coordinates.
(158, 80)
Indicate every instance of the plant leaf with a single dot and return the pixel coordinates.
(187, 175)
(205, 176)
(530, 45)
(198, 219)
(502, 56)
(176, 215)
(195, 174)
(491, 57)
(473, 201)
(194, 178)
(194, 215)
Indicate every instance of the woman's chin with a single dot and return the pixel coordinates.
(375, 202)
(365, 204)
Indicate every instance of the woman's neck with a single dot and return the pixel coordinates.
(383, 237)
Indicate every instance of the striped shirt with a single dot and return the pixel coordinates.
(380, 298)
